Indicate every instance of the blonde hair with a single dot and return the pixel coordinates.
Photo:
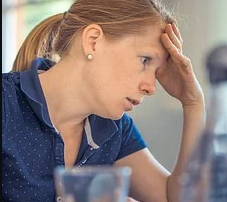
(117, 18)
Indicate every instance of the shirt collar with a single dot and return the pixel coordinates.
(101, 129)
(31, 87)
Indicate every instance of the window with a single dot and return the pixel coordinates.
(18, 19)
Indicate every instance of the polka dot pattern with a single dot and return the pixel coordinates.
(32, 148)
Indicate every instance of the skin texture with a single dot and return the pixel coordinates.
(117, 78)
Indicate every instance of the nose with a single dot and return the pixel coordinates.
(148, 87)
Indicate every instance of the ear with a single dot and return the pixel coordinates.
(92, 34)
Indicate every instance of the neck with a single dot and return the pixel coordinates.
(65, 97)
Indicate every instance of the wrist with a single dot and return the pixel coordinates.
(194, 107)
(194, 104)
(195, 113)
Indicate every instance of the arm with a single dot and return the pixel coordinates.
(150, 181)
(178, 79)
(192, 128)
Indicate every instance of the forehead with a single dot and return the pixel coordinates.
(147, 42)
(150, 38)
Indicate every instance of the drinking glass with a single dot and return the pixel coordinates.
(92, 184)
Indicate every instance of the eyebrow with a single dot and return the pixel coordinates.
(155, 52)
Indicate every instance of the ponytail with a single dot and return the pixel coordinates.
(55, 35)
(39, 43)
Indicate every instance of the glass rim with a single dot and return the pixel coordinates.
(89, 169)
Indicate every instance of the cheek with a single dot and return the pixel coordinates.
(119, 73)
(129, 85)
(125, 70)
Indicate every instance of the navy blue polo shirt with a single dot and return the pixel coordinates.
(32, 147)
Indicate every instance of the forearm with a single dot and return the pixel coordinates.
(194, 122)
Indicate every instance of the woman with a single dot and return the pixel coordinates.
(94, 63)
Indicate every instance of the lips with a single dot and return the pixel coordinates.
(133, 101)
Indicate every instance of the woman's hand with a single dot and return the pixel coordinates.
(177, 76)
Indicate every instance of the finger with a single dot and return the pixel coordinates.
(175, 54)
(173, 37)
(168, 44)
(177, 32)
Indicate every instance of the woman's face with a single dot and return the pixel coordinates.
(123, 72)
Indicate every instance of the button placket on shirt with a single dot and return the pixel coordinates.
(58, 147)
(59, 199)
(84, 159)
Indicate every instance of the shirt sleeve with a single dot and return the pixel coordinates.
(7, 87)
(3, 106)
(132, 140)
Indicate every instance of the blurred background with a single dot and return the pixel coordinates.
(203, 24)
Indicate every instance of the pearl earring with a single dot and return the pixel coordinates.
(89, 56)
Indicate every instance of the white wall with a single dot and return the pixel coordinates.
(8, 36)
(203, 24)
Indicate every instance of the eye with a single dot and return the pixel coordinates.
(145, 61)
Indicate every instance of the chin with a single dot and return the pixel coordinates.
(114, 115)
(117, 115)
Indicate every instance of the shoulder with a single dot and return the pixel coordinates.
(132, 140)
(10, 83)
(9, 80)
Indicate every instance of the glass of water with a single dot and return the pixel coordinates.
(92, 184)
